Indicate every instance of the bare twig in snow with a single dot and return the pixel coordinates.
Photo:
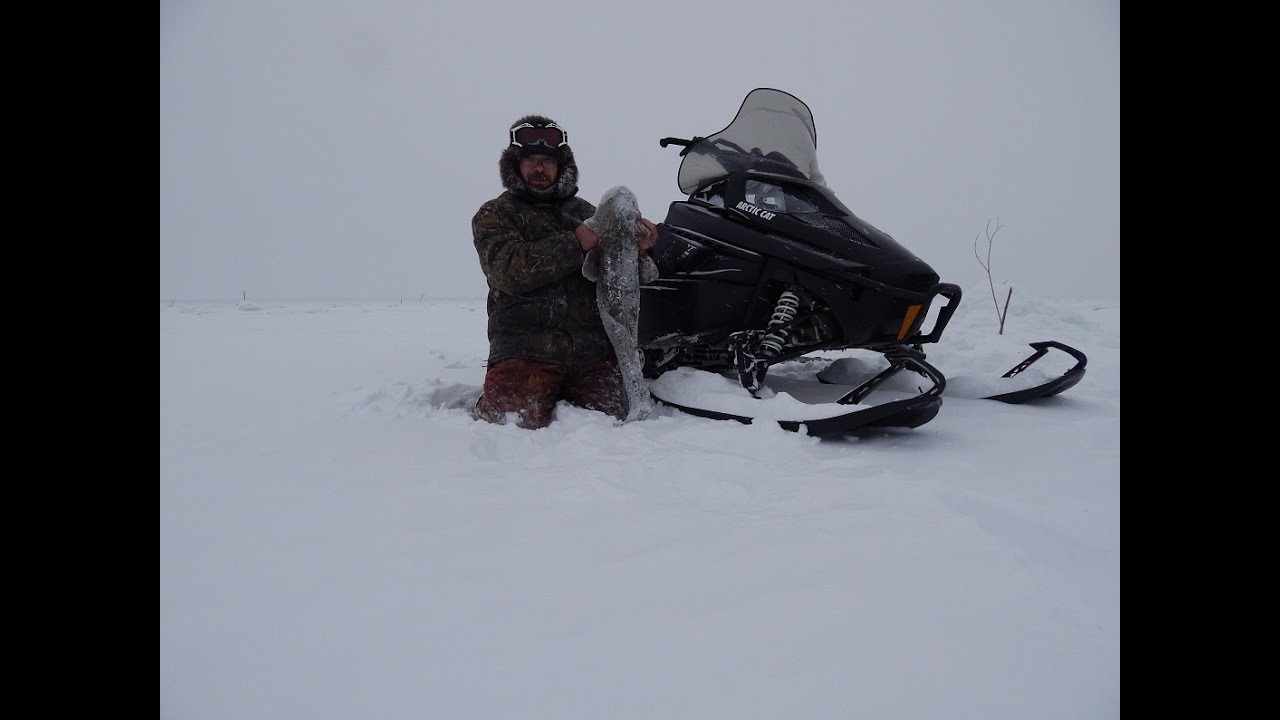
(991, 236)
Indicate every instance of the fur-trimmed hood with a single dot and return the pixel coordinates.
(566, 185)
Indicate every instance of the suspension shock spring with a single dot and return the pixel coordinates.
(783, 313)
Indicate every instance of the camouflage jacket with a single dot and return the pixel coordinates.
(540, 306)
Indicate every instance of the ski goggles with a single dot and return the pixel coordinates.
(550, 135)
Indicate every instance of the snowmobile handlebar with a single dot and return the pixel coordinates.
(686, 144)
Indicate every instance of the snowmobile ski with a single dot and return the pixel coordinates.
(819, 409)
(1051, 387)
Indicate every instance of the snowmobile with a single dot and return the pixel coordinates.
(763, 264)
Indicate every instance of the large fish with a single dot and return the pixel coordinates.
(618, 271)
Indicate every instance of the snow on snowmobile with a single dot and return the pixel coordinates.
(763, 264)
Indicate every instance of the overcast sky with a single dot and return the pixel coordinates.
(328, 149)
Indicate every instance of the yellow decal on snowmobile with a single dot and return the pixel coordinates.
(912, 311)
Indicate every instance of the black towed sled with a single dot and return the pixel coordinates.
(763, 264)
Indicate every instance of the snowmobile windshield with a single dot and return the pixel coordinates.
(773, 133)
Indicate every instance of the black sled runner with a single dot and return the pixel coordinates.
(763, 264)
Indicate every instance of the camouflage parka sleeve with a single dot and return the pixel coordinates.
(539, 304)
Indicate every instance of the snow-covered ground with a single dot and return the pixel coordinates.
(339, 540)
